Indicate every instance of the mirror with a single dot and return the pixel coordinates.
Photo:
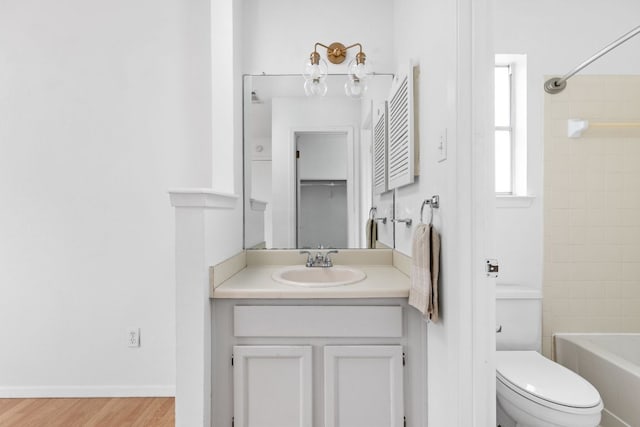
(307, 164)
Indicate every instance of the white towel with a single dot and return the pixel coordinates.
(425, 271)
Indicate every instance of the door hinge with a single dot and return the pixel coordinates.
(297, 154)
(405, 422)
(233, 421)
(232, 360)
(404, 359)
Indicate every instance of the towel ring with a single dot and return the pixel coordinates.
(434, 203)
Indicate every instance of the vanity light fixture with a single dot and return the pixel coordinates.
(316, 69)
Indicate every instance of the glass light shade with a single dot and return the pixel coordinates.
(360, 71)
(315, 87)
(355, 88)
(315, 71)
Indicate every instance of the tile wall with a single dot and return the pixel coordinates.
(592, 209)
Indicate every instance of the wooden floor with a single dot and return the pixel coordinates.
(120, 412)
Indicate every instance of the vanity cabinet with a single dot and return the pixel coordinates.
(272, 386)
(317, 363)
(363, 386)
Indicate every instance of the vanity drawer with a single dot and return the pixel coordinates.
(317, 321)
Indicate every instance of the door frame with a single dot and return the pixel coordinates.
(476, 59)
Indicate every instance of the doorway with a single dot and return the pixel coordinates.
(323, 193)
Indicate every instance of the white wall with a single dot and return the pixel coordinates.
(442, 39)
(554, 42)
(424, 33)
(435, 105)
(225, 56)
(279, 36)
(102, 110)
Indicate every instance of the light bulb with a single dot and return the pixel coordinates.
(358, 71)
(313, 71)
(361, 71)
(315, 87)
(355, 88)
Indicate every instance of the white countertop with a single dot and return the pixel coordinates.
(254, 281)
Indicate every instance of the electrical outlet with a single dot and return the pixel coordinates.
(133, 337)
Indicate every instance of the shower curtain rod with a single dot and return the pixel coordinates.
(557, 84)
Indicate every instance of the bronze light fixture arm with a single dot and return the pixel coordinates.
(354, 45)
(336, 53)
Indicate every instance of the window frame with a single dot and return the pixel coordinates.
(510, 129)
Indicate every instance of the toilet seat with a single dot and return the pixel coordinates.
(545, 382)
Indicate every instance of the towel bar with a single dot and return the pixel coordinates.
(407, 221)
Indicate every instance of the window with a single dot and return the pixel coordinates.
(504, 132)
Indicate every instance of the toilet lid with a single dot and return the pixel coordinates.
(531, 373)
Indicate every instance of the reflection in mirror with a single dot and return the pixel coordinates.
(308, 164)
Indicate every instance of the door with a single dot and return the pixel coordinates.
(363, 386)
(272, 386)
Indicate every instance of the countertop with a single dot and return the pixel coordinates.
(255, 281)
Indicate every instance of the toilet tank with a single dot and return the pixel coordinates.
(519, 314)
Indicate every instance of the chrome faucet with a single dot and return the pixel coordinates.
(320, 259)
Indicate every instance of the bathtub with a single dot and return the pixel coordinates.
(611, 362)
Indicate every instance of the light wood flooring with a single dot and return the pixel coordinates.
(104, 412)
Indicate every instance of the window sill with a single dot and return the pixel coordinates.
(514, 201)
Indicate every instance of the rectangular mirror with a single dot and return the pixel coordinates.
(308, 164)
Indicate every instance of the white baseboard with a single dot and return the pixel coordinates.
(87, 391)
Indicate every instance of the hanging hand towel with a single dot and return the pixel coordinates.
(435, 275)
(372, 233)
(425, 271)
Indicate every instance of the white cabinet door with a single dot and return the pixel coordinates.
(272, 386)
(363, 386)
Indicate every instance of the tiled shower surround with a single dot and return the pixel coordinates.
(592, 209)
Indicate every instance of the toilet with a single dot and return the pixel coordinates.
(531, 390)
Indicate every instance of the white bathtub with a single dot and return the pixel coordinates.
(611, 362)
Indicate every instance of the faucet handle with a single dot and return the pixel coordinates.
(309, 258)
(327, 258)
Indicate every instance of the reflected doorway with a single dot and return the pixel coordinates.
(323, 193)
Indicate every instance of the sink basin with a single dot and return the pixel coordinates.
(318, 277)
